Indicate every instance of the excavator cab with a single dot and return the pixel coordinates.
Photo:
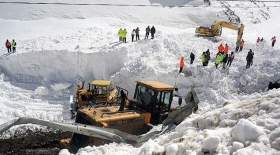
(153, 97)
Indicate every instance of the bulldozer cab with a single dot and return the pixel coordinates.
(100, 89)
(154, 97)
(97, 92)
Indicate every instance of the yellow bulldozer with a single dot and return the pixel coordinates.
(99, 92)
(216, 29)
(126, 120)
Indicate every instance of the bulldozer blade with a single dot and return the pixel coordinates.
(87, 130)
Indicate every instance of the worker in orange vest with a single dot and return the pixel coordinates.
(181, 64)
(226, 49)
(221, 48)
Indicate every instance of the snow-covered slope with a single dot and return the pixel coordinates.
(60, 44)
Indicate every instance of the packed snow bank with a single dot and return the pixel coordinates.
(17, 102)
(62, 66)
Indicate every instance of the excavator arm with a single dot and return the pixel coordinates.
(216, 29)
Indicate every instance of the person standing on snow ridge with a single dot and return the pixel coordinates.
(147, 32)
(225, 60)
(133, 33)
(207, 56)
(221, 48)
(181, 64)
(226, 49)
(249, 58)
(124, 35)
(273, 41)
(14, 45)
(8, 46)
(241, 45)
(192, 57)
(137, 33)
(203, 58)
(258, 40)
(230, 59)
(120, 34)
(153, 31)
(219, 59)
(237, 46)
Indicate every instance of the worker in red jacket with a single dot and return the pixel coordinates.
(221, 48)
(8, 46)
(226, 49)
(181, 64)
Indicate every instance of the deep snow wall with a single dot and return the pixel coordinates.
(61, 66)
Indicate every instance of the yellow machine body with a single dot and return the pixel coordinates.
(216, 29)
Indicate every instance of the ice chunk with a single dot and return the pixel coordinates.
(210, 144)
(245, 130)
(236, 146)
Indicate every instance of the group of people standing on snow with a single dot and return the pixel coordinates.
(223, 56)
(150, 30)
(273, 40)
(11, 46)
(122, 33)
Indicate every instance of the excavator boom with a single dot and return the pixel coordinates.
(216, 29)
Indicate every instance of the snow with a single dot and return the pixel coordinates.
(210, 144)
(236, 146)
(245, 131)
(59, 45)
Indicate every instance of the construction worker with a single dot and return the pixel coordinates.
(230, 59)
(8, 46)
(147, 32)
(219, 59)
(221, 48)
(241, 45)
(14, 45)
(192, 57)
(133, 33)
(249, 58)
(207, 56)
(181, 64)
(137, 33)
(120, 34)
(226, 49)
(258, 40)
(153, 31)
(124, 35)
(123, 101)
(225, 60)
(273, 41)
(203, 58)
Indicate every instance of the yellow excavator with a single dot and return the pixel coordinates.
(216, 29)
